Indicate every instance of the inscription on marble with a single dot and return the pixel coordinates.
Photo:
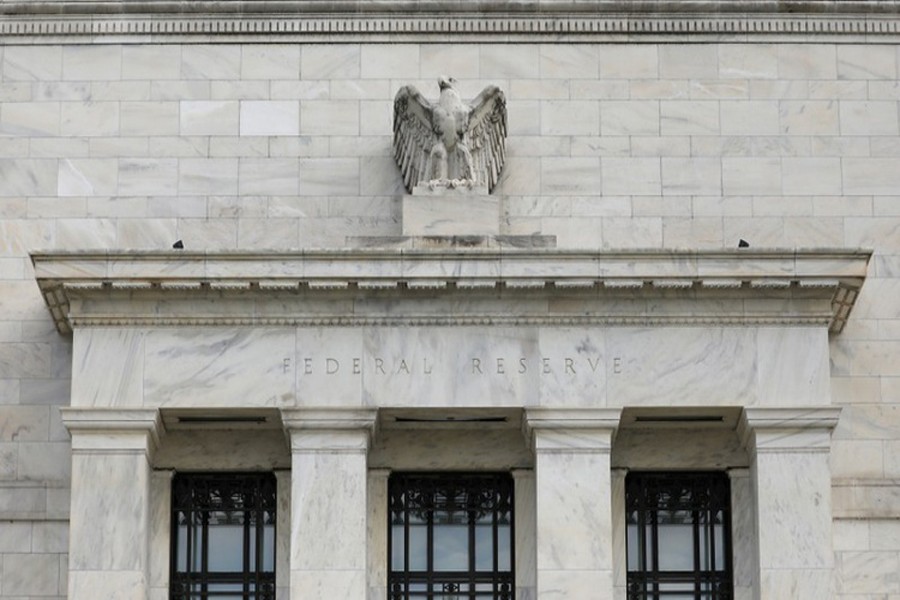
(474, 366)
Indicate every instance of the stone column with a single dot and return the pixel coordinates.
(283, 536)
(525, 533)
(574, 501)
(109, 530)
(160, 532)
(619, 533)
(744, 552)
(791, 488)
(328, 501)
(378, 558)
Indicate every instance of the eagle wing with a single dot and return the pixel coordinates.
(413, 134)
(487, 135)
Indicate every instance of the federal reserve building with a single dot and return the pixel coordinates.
(450, 300)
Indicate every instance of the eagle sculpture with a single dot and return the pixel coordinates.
(449, 142)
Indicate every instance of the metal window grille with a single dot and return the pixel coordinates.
(223, 536)
(679, 536)
(451, 536)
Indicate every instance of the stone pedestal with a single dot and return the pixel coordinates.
(573, 501)
(444, 211)
(791, 484)
(328, 554)
(109, 532)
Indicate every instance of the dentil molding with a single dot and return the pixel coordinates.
(117, 21)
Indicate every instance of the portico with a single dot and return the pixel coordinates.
(335, 369)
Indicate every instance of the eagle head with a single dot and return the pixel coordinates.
(445, 82)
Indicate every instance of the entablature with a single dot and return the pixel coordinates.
(439, 287)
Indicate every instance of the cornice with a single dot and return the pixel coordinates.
(107, 21)
(436, 287)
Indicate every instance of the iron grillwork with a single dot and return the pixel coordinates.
(223, 536)
(451, 536)
(679, 536)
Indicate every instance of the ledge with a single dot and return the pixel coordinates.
(107, 21)
(437, 287)
(110, 430)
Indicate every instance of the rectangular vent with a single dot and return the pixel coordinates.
(451, 420)
(196, 420)
(681, 419)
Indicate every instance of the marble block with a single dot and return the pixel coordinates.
(567, 584)
(458, 211)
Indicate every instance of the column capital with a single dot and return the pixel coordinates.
(571, 430)
(99, 430)
(788, 429)
(329, 429)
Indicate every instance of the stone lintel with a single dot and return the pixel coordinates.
(776, 430)
(98, 430)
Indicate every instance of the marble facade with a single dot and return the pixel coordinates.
(593, 307)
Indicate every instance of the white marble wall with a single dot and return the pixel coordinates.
(611, 145)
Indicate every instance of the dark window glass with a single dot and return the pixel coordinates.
(678, 536)
(223, 536)
(451, 536)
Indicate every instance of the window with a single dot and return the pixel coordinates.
(223, 536)
(678, 536)
(451, 536)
